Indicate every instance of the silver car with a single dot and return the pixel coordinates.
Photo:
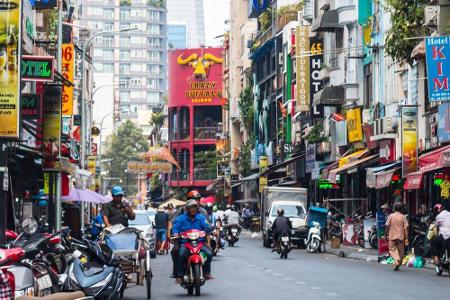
(144, 222)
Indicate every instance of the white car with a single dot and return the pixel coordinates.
(144, 222)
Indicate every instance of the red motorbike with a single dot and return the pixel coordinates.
(194, 279)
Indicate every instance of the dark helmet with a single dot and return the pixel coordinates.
(194, 195)
(438, 208)
(280, 212)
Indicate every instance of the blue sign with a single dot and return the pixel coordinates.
(43, 4)
(438, 67)
(443, 131)
(260, 5)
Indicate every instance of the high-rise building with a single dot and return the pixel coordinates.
(136, 58)
(191, 14)
(177, 36)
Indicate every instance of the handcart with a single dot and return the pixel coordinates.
(133, 253)
(318, 215)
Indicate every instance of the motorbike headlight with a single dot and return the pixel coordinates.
(99, 286)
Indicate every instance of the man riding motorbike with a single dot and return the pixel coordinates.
(438, 243)
(116, 211)
(192, 219)
(280, 225)
(232, 218)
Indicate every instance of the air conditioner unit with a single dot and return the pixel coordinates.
(431, 16)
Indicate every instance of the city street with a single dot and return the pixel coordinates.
(250, 271)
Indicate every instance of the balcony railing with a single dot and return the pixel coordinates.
(204, 174)
(181, 134)
(206, 133)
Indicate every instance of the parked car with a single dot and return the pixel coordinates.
(151, 213)
(144, 222)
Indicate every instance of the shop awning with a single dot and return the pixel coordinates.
(218, 184)
(380, 177)
(428, 162)
(329, 21)
(330, 95)
(250, 177)
(333, 173)
(283, 164)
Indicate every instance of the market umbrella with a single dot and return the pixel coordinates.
(208, 200)
(84, 195)
(174, 202)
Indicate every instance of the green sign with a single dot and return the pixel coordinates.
(37, 68)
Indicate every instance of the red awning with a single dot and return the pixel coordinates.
(428, 162)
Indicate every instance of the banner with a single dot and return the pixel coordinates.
(31, 120)
(68, 66)
(10, 30)
(438, 67)
(263, 165)
(409, 139)
(443, 131)
(341, 133)
(354, 127)
(149, 167)
(310, 158)
(52, 119)
(302, 77)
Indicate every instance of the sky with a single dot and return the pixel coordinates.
(216, 12)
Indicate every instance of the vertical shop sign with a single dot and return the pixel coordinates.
(52, 119)
(31, 119)
(68, 66)
(303, 73)
(27, 27)
(438, 67)
(354, 127)
(443, 130)
(91, 163)
(316, 61)
(409, 139)
(263, 164)
(310, 158)
(10, 29)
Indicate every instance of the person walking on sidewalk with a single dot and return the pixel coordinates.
(397, 230)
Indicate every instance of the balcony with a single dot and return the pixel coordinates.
(205, 174)
(180, 135)
(347, 11)
(205, 133)
(329, 21)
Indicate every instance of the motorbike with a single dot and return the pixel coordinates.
(443, 263)
(193, 280)
(216, 238)
(284, 245)
(373, 237)
(232, 235)
(335, 226)
(59, 296)
(313, 242)
(419, 227)
(101, 277)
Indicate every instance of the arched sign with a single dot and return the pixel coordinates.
(260, 4)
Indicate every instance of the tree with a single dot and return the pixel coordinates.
(125, 145)
(156, 121)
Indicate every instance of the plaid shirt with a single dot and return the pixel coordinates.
(5, 288)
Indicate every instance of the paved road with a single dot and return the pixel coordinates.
(250, 271)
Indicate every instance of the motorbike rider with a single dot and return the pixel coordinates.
(192, 219)
(232, 218)
(280, 225)
(116, 211)
(438, 243)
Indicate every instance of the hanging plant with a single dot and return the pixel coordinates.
(315, 135)
(245, 105)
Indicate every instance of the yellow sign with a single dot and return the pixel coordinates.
(149, 167)
(303, 73)
(263, 164)
(52, 119)
(46, 183)
(10, 33)
(409, 139)
(354, 127)
(203, 92)
(91, 164)
(68, 65)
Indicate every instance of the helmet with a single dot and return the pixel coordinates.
(194, 195)
(438, 208)
(191, 203)
(280, 211)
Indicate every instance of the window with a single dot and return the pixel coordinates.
(125, 25)
(137, 40)
(108, 13)
(139, 25)
(153, 97)
(98, 67)
(124, 41)
(136, 94)
(154, 56)
(367, 85)
(154, 69)
(138, 13)
(98, 52)
(136, 67)
(124, 96)
(108, 26)
(124, 54)
(154, 42)
(94, 24)
(153, 29)
(154, 15)
(94, 11)
(108, 54)
(153, 83)
(124, 69)
(108, 41)
(108, 67)
(124, 14)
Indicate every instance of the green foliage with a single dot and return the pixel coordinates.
(123, 146)
(315, 135)
(407, 18)
(125, 2)
(157, 3)
(245, 166)
(265, 19)
(245, 105)
(290, 9)
(157, 119)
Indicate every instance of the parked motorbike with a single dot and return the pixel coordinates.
(193, 280)
(59, 296)
(418, 229)
(284, 245)
(101, 277)
(334, 225)
(373, 237)
(313, 242)
(443, 264)
(20, 278)
(232, 235)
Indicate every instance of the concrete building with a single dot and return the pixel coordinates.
(177, 36)
(137, 58)
(191, 14)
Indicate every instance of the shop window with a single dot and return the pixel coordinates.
(184, 123)
(206, 121)
(183, 161)
(205, 162)
(368, 85)
(173, 124)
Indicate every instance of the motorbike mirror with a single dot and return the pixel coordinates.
(29, 225)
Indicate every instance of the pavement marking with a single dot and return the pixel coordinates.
(300, 282)
(331, 294)
(314, 287)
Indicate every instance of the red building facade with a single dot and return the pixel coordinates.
(195, 114)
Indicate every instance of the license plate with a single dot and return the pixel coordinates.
(234, 230)
(292, 231)
(285, 239)
(44, 282)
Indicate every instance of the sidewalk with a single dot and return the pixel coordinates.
(364, 254)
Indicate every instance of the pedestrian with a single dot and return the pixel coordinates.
(118, 211)
(397, 229)
(161, 224)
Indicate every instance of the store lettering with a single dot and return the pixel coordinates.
(202, 92)
(36, 69)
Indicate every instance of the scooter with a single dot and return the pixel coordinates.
(284, 245)
(232, 235)
(314, 240)
(373, 237)
(193, 280)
